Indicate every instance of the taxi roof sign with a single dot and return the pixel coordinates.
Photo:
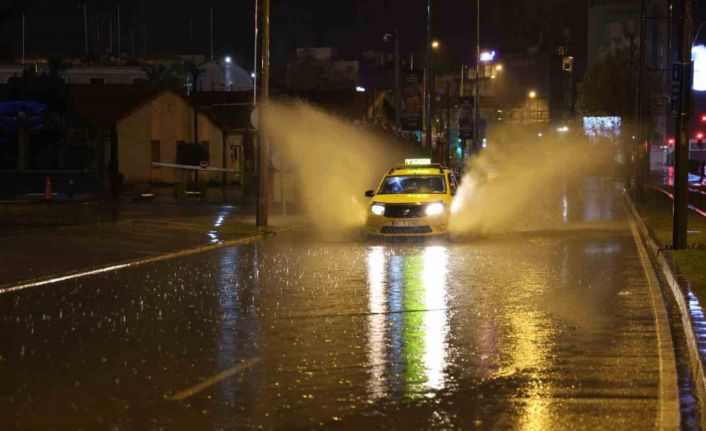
(417, 161)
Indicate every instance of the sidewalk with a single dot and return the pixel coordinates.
(34, 246)
(656, 209)
(38, 214)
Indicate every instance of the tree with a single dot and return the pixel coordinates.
(173, 77)
(307, 73)
(160, 76)
(48, 88)
(606, 87)
(609, 89)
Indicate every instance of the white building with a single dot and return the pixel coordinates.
(224, 75)
(219, 75)
(83, 74)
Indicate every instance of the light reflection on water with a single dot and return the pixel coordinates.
(239, 332)
(524, 345)
(436, 317)
(565, 208)
(408, 321)
(596, 209)
(220, 218)
(376, 321)
(229, 314)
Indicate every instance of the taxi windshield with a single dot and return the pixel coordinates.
(411, 184)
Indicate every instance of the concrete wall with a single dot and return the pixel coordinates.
(169, 119)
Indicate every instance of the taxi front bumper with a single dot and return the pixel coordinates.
(394, 227)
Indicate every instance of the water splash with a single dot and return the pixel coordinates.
(518, 185)
(334, 162)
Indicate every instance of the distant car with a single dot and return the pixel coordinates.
(413, 199)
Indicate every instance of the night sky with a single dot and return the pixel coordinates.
(353, 26)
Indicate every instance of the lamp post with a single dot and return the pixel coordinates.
(482, 57)
(533, 95)
(398, 96)
(264, 148)
(429, 81)
(681, 129)
(85, 30)
(476, 99)
(431, 85)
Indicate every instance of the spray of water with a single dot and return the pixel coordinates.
(332, 162)
(515, 184)
(518, 184)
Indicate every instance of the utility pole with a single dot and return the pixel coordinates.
(683, 67)
(23, 38)
(191, 38)
(195, 78)
(254, 63)
(118, 33)
(398, 98)
(85, 29)
(642, 153)
(144, 43)
(210, 10)
(463, 80)
(264, 153)
(429, 82)
(476, 96)
(448, 124)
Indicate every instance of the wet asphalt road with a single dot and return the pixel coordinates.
(542, 330)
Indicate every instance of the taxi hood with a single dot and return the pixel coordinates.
(414, 198)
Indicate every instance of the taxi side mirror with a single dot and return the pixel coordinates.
(369, 194)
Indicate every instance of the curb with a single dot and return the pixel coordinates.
(681, 292)
(50, 279)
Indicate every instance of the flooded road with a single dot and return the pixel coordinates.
(534, 330)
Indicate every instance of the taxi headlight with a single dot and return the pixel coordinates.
(435, 209)
(377, 209)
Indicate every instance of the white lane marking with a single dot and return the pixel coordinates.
(193, 390)
(63, 277)
(137, 262)
(668, 413)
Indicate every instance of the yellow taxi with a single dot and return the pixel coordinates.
(413, 199)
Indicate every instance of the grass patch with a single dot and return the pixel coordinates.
(238, 229)
(656, 209)
(230, 228)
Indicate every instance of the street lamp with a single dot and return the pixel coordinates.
(533, 96)
(435, 44)
(429, 80)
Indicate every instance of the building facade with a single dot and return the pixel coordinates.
(158, 131)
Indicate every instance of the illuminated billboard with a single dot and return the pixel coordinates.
(698, 55)
(601, 127)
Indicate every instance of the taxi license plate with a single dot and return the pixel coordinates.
(405, 223)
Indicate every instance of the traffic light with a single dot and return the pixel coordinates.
(700, 138)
